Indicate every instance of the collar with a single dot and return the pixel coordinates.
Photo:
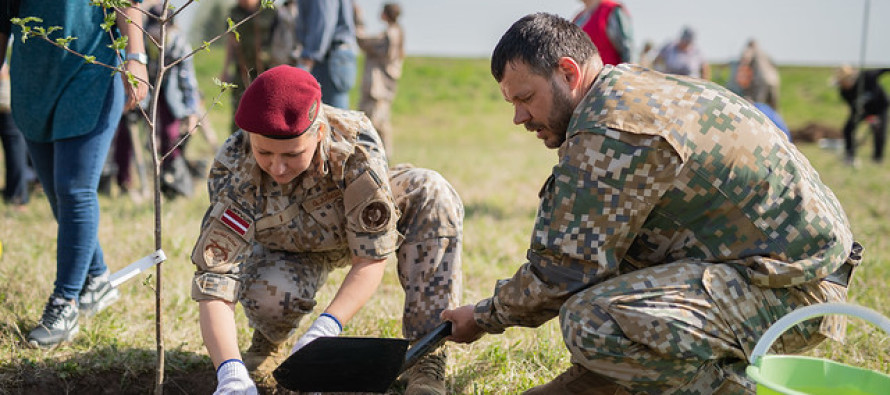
(320, 166)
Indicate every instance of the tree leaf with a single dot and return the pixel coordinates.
(232, 29)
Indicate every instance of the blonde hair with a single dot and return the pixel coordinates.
(845, 75)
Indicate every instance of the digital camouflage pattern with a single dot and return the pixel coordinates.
(272, 246)
(677, 226)
(429, 258)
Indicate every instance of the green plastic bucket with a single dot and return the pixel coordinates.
(798, 375)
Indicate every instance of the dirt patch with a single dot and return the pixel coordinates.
(813, 132)
(116, 382)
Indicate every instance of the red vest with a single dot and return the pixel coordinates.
(596, 29)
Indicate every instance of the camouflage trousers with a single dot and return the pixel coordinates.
(687, 327)
(278, 288)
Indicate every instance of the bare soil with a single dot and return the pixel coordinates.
(813, 132)
(115, 382)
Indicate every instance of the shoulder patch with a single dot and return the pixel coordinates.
(220, 248)
(375, 216)
(225, 235)
(367, 204)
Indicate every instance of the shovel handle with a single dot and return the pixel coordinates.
(427, 344)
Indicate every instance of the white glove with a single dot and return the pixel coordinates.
(233, 379)
(324, 325)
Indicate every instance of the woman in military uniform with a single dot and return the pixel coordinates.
(301, 190)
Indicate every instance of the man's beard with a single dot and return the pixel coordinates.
(558, 119)
(560, 114)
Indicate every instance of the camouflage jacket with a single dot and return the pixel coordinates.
(658, 169)
(341, 207)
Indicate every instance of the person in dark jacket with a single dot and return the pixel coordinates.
(868, 102)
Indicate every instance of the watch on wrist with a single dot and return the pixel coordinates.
(140, 57)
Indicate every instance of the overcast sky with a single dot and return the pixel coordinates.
(805, 32)
(819, 32)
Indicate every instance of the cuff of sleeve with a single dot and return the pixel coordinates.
(484, 315)
(331, 316)
(207, 286)
(230, 366)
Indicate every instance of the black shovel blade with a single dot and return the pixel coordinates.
(343, 364)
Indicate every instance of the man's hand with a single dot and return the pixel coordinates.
(232, 378)
(463, 326)
(324, 325)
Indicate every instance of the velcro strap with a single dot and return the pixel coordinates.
(207, 286)
(363, 189)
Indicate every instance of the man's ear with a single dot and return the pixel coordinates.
(570, 71)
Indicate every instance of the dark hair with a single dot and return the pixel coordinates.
(154, 16)
(392, 11)
(539, 40)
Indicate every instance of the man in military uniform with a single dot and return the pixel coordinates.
(678, 224)
(304, 189)
(251, 53)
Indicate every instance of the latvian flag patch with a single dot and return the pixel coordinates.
(235, 221)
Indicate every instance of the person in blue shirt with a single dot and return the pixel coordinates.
(327, 30)
(774, 116)
(68, 111)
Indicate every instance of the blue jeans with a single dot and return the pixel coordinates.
(16, 153)
(336, 75)
(69, 171)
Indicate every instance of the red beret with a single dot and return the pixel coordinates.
(281, 103)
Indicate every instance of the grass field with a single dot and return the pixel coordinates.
(449, 116)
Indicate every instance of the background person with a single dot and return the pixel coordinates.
(285, 48)
(19, 175)
(327, 31)
(682, 57)
(251, 55)
(384, 55)
(868, 102)
(757, 77)
(68, 111)
(302, 190)
(178, 101)
(665, 244)
(647, 55)
(609, 27)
